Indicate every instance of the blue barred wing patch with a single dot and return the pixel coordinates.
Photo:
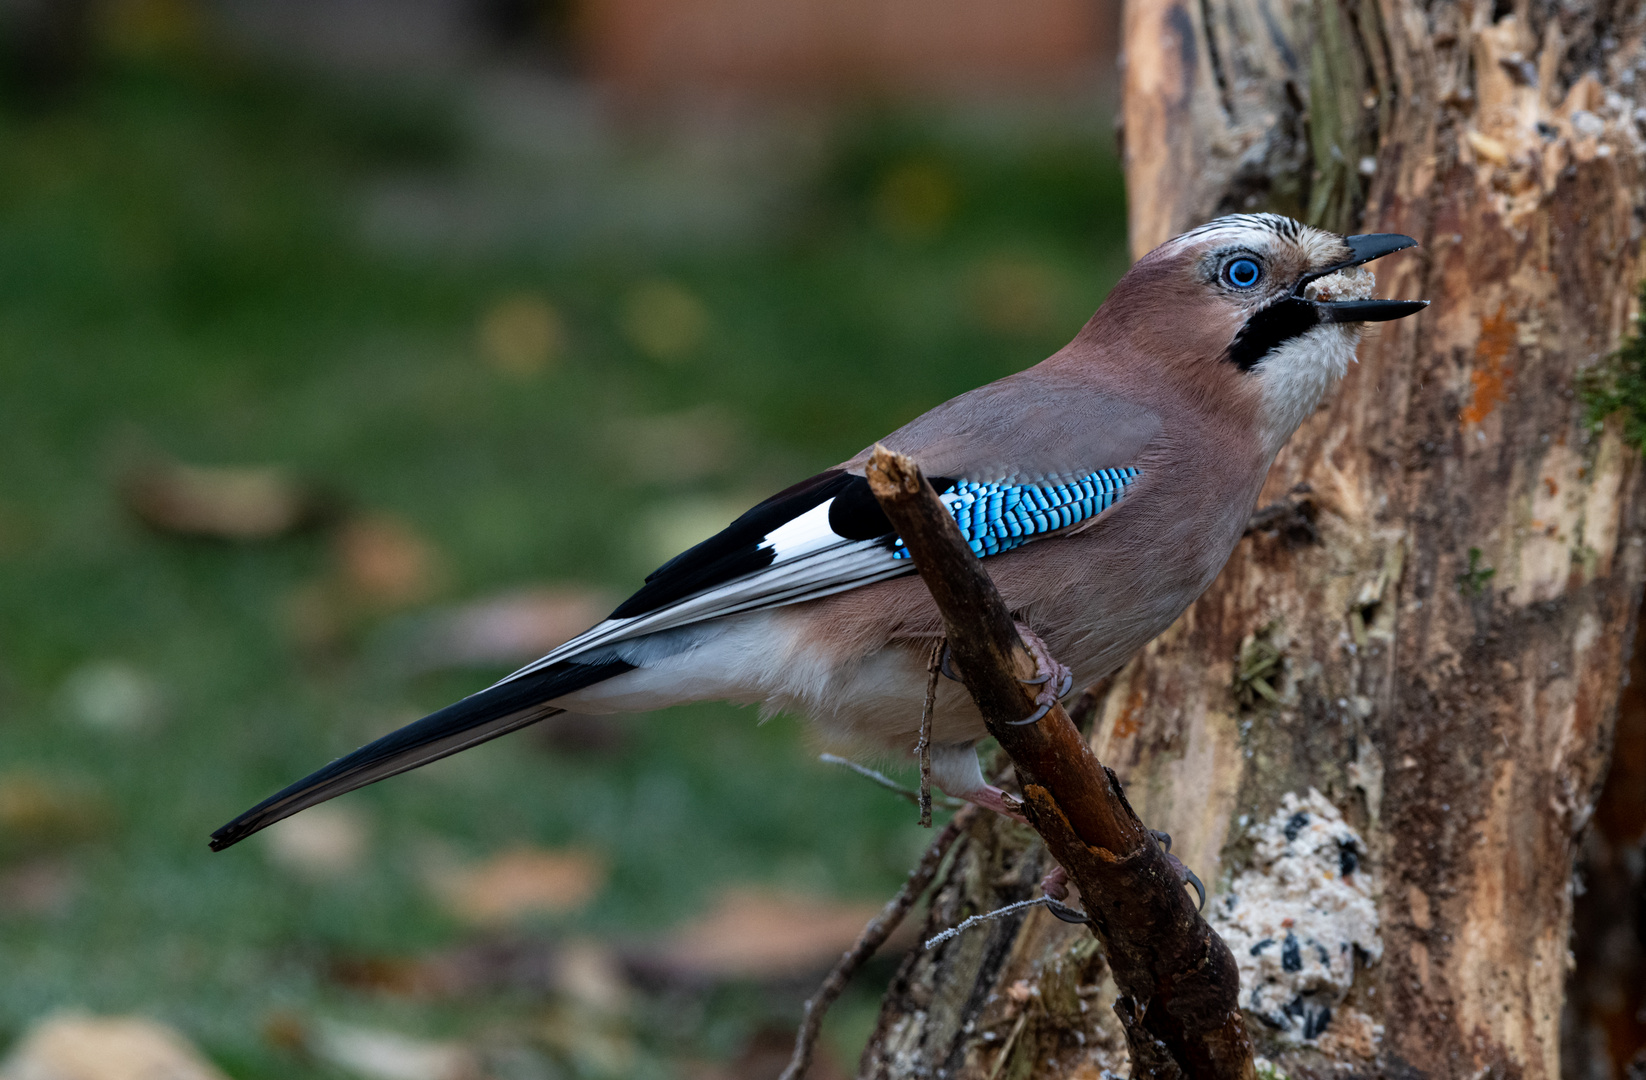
(996, 517)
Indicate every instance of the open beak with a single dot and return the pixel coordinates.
(1362, 249)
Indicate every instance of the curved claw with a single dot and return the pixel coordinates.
(943, 665)
(1037, 682)
(1035, 716)
(1065, 912)
(1164, 839)
(1066, 685)
(1198, 888)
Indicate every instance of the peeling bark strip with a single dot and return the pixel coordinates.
(1177, 976)
(1445, 641)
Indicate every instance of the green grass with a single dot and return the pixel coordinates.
(182, 269)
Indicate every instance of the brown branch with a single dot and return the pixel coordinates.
(873, 936)
(923, 747)
(1181, 981)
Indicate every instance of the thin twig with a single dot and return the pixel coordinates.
(923, 748)
(878, 777)
(873, 936)
(1058, 908)
(1011, 1041)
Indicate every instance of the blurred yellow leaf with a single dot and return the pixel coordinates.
(521, 336)
(916, 200)
(39, 810)
(664, 320)
(150, 27)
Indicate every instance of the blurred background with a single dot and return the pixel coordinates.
(352, 353)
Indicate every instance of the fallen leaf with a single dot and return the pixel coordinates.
(239, 504)
(70, 1046)
(521, 335)
(325, 841)
(755, 934)
(41, 811)
(664, 320)
(519, 883)
(384, 564)
(589, 973)
(389, 1055)
(510, 628)
(110, 695)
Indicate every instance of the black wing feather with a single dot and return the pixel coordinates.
(478, 718)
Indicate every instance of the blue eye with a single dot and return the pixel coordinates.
(1242, 273)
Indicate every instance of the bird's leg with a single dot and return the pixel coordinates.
(1053, 678)
(1001, 802)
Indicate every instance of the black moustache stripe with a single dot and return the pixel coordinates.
(1269, 329)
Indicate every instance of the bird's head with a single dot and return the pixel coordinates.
(1257, 306)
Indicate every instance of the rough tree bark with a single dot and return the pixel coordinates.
(1431, 619)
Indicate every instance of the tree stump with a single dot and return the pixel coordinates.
(1417, 652)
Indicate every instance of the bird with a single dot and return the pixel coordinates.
(1104, 488)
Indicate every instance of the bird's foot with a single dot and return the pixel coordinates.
(1053, 678)
(1056, 883)
(1184, 874)
(1001, 802)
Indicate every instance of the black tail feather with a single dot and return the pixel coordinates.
(478, 718)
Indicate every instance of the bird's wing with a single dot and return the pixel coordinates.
(1008, 477)
(1036, 423)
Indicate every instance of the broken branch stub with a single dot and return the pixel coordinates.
(1176, 973)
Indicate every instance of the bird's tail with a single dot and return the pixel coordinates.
(495, 711)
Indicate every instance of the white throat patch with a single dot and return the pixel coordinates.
(1295, 376)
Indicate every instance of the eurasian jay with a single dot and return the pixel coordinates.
(1105, 487)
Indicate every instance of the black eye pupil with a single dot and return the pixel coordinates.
(1242, 273)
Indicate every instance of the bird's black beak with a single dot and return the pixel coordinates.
(1362, 249)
